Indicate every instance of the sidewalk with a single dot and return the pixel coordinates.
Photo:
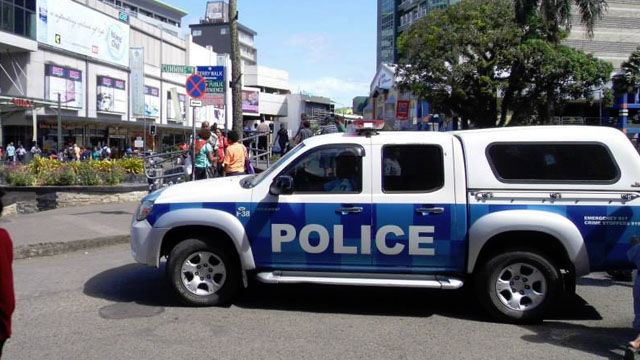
(69, 229)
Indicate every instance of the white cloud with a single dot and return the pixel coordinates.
(314, 47)
(339, 90)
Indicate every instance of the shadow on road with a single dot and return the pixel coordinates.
(135, 283)
(105, 212)
(601, 341)
(604, 282)
(147, 286)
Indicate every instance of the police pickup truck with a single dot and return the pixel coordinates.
(517, 212)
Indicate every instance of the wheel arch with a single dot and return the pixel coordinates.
(209, 223)
(547, 232)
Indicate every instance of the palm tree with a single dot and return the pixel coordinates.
(557, 13)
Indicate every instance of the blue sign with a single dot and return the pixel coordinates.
(196, 86)
(214, 76)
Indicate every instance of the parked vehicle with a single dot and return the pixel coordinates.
(517, 212)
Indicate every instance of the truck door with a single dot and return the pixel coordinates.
(318, 225)
(416, 221)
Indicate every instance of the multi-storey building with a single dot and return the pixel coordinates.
(214, 30)
(615, 37)
(92, 74)
(395, 17)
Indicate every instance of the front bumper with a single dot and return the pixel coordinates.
(146, 242)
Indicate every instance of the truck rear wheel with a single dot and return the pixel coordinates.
(202, 273)
(517, 286)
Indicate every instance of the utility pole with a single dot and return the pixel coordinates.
(236, 81)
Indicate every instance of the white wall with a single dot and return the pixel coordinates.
(273, 104)
(262, 76)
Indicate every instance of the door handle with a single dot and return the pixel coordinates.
(426, 211)
(349, 210)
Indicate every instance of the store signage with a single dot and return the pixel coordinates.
(123, 16)
(66, 82)
(177, 69)
(151, 101)
(23, 103)
(214, 76)
(402, 109)
(68, 25)
(111, 95)
(250, 101)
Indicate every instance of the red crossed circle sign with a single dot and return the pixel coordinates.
(196, 86)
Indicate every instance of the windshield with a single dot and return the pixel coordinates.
(255, 180)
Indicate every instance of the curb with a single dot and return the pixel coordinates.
(57, 248)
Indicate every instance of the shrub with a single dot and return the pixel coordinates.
(131, 165)
(21, 176)
(115, 176)
(62, 176)
(87, 175)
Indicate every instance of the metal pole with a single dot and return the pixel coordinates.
(34, 121)
(144, 137)
(59, 126)
(193, 147)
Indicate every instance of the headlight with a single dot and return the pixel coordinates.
(144, 210)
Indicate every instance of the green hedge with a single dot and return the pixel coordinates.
(42, 171)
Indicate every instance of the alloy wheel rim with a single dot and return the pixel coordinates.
(521, 286)
(203, 273)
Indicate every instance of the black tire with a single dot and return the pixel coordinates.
(230, 281)
(486, 279)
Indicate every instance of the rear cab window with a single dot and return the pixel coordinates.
(412, 168)
(547, 162)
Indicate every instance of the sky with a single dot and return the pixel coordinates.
(327, 46)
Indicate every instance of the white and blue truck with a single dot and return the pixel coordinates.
(518, 213)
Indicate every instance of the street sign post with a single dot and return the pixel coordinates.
(196, 86)
(215, 78)
(177, 69)
(195, 103)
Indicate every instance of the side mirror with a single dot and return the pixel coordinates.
(281, 185)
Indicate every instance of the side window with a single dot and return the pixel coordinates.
(328, 170)
(412, 168)
(551, 162)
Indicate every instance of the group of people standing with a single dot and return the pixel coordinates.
(217, 155)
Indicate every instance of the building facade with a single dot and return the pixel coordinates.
(93, 84)
(615, 37)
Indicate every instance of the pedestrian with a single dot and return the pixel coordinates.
(95, 155)
(282, 138)
(205, 155)
(35, 150)
(633, 254)
(236, 156)
(304, 133)
(11, 153)
(7, 295)
(263, 135)
(340, 124)
(224, 144)
(76, 152)
(21, 152)
(330, 126)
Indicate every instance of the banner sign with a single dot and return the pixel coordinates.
(250, 101)
(136, 63)
(402, 109)
(63, 81)
(216, 100)
(214, 76)
(68, 25)
(111, 95)
(151, 101)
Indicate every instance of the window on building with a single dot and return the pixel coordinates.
(331, 169)
(412, 168)
(197, 33)
(223, 31)
(552, 162)
(18, 17)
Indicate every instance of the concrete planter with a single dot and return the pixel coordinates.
(31, 199)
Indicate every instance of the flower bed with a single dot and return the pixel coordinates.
(47, 172)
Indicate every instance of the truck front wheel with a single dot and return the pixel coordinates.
(517, 286)
(202, 273)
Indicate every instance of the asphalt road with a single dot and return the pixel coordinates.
(101, 305)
